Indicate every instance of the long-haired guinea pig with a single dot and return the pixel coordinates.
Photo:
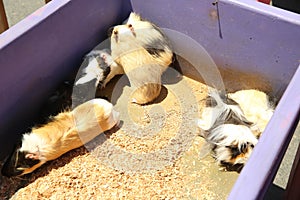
(227, 130)
(144, 52)
(231, 143)
(98, 66)
(256, 107)
(68, 130)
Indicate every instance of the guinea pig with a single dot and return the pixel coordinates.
(98, 66)
(144, 52)
(227, 131)
(66, 131)
(231, 143)
(256, 107)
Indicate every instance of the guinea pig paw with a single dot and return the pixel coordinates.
(223, 169)
(133, 100)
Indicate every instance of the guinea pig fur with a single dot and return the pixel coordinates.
(227, 130)
(68, 130)
(221, 113)
(98, 65)
(232, 144)
(256, 108)
(143, 50)
(145, 83)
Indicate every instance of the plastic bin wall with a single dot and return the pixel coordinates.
(39, 52)
(256, 38)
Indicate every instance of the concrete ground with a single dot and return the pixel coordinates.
(18, 9)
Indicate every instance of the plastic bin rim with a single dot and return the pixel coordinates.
(29, 22)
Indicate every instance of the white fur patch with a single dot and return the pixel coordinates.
(218, 113)
(92, 71)
(30, 143)
(228, 134)
(33, 143)
(256, 107)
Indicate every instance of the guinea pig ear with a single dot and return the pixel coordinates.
(134, 17)
(33, 156)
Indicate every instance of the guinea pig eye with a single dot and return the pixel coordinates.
(115, 32)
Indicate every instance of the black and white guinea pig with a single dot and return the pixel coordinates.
(98, 66)
(144, 52)
(231, 143)
(66, 131)
(227, 130)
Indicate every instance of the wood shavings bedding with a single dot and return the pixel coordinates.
(86, 174)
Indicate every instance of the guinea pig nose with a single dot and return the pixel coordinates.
(115, 32)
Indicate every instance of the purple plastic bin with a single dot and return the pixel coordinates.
(40, 51)
(256, 38)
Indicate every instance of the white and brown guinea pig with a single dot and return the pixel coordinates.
(68, 130)
(144, 52)
(232, 143)
(256, 107)
(98, 66)
(227, 130)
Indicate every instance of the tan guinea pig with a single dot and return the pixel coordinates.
(144, 52)
(68, 130)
